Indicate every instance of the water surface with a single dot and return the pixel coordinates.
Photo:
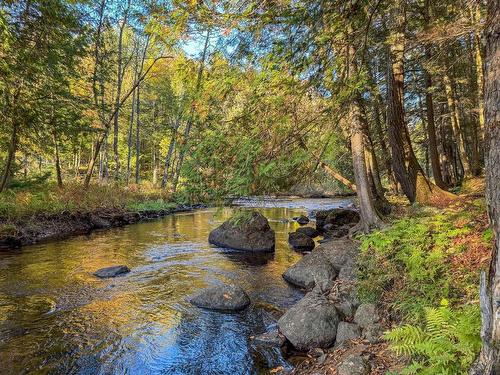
(57, 318)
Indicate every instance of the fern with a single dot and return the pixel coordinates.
(447, 344)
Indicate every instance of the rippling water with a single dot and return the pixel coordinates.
(57, 318)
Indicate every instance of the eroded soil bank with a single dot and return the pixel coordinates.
(42, 228)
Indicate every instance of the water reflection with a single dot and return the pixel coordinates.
(55, 317)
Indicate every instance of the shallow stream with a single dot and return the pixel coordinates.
(57, 318)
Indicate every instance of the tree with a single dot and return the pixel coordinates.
(488, 362)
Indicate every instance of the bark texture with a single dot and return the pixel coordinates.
(488, 362)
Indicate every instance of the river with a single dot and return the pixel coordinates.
(57, 318)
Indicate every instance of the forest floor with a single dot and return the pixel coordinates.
(422, 273)
(46, 212)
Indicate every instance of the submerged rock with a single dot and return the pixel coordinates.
(336, 217)
(251, 234)
(302, 220)
(300, 242)
(310, 323)
(312, 269)
(111, 271)
(271, 338)
(308, 231)
(224, 297)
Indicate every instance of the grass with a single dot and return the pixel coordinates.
(427, 256)
(48, 199)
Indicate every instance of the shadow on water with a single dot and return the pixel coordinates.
(56, 317)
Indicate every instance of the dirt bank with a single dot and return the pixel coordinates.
(43, 228)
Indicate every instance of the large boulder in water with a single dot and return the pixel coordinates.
(310, 270)
(310, 323)
(113, 271)
(224, 297)
(337, 217)
(300, 242)
(308, 231)
(249, 232)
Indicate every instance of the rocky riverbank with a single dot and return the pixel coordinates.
(42, 228)
(355, 345)
(329, 331)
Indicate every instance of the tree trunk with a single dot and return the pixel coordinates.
(138, 117)
(119, 76)
(129, 134)
(138, 135)
(429, 104)
(383, 145)
(168, 157)
(336, 175)
(10, 156)
(488, 362)
(455, 122)
(476, 18)
(403, 159)
(369, 216)
(57, 160)
(431, 128)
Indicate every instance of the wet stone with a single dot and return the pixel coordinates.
(113, 271)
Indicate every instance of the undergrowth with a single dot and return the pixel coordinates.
(48, 199)
(429, 281)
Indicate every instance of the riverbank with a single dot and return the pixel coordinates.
(49, 213)
(419, 277)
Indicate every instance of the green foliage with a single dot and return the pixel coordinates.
(47, 199)
(151, 205)
(488, 235)
(413, 253)
(240, 217)
(447, 343)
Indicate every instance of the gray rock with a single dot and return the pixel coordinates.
(345, 299)
(308, 231)
(224, 297)
(366, 315)
(111, 271)
(255, 235)
(349, 271)
(272, 338)
(336, 232)
(373, 333)
(310, 323)
(339, 252)
(300, 242)
(347, 331)
(302, 220)
(311, 269)
(353, 365)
